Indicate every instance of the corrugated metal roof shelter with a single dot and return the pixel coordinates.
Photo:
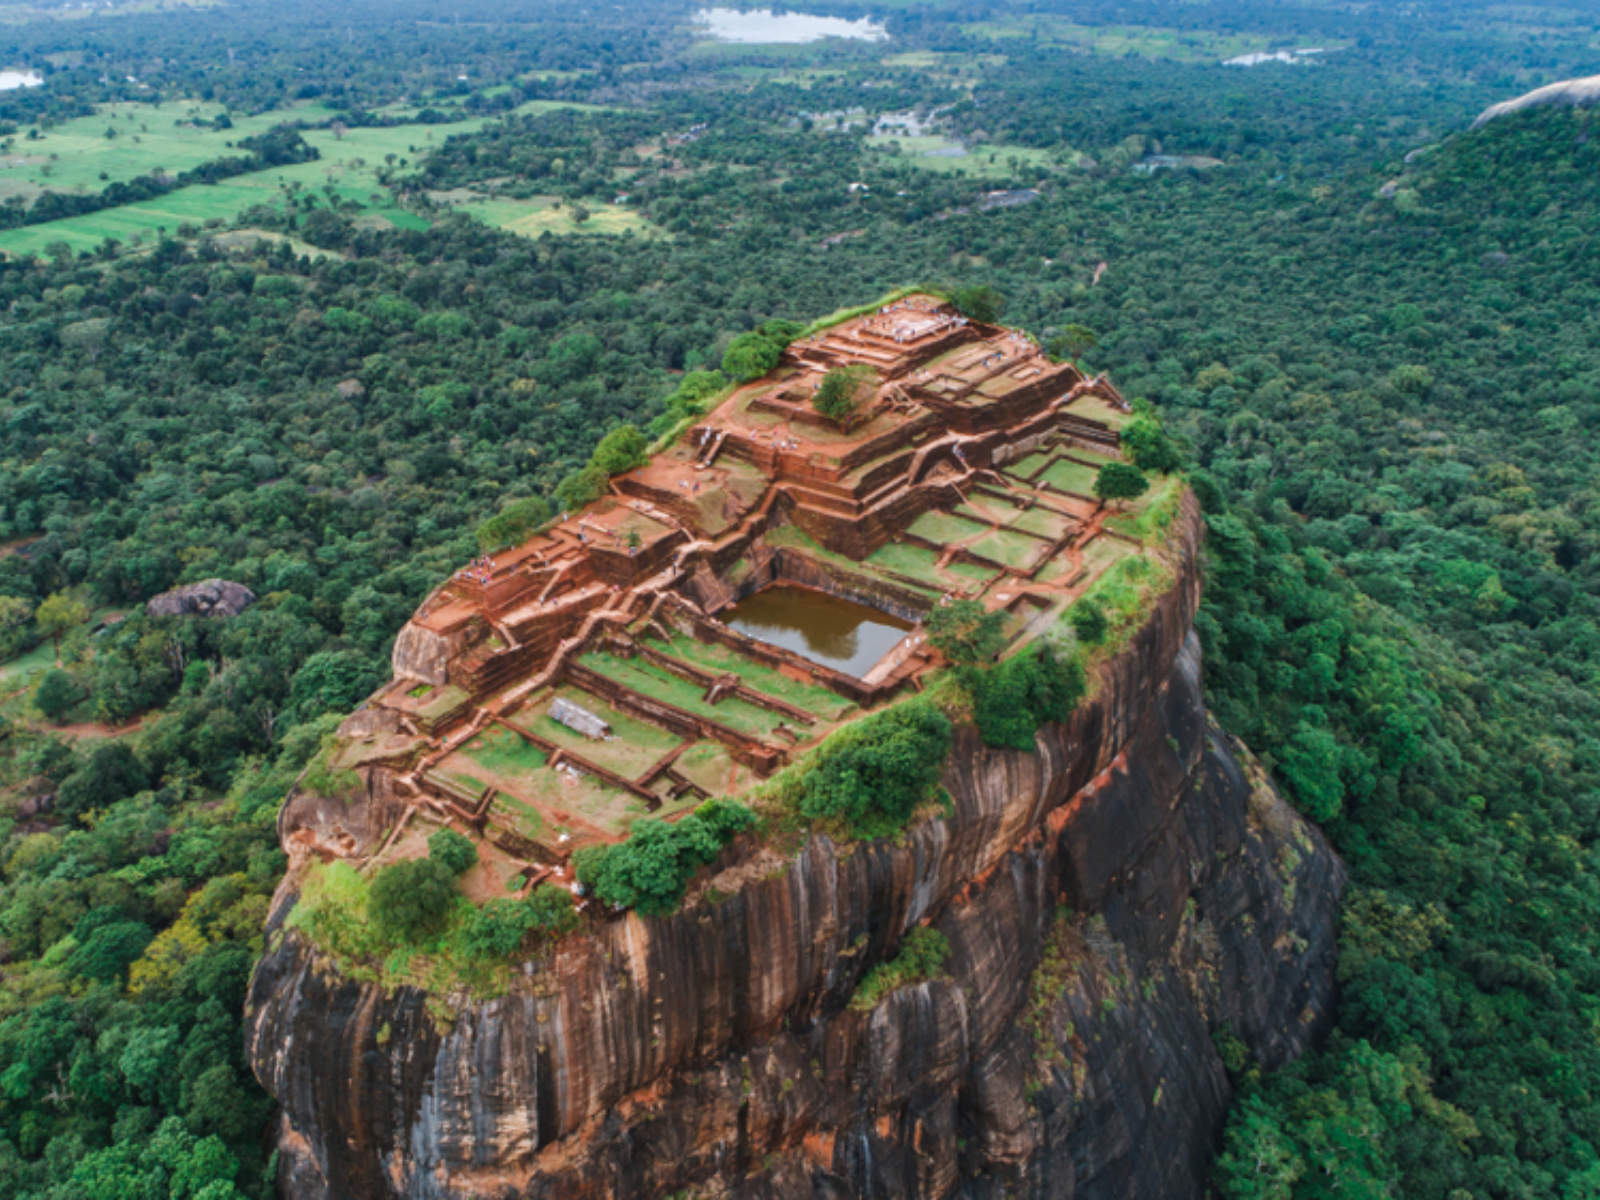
(575, 716)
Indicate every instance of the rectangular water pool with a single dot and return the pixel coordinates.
(841, 634)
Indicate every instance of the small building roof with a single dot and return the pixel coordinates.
(575, 716)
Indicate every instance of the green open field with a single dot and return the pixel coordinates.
(349, 165)
(25, 669)
(919, 563)
(543, 214)
(73, 156)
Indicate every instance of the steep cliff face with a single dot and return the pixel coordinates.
(1111, 900)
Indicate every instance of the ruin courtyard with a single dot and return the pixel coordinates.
(755, 585)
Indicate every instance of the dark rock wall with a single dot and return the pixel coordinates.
(1165, 887)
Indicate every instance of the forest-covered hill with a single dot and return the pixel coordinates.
(1384, 374)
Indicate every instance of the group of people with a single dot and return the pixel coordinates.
(479, 571)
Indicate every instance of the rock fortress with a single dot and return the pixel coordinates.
(1114, 901)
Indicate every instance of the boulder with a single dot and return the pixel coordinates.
(211, 598)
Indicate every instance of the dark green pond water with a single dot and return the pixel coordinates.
(837, 633)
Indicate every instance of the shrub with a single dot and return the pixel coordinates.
(623, 449)
(56, 694)
(750, 356)
(651, 870)
(980, 302)
(497, 930)
(1148, 445)
(1088, 621)
(965, 632)
(581, 487)
(922, 956)
(410, 900)
(1013, 700)
(512, 524)
(874, 773)
(453, 851)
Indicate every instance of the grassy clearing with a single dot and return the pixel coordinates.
(652, 681)
(1029, 467)
(77, 157)
(1013, 549)
(1119, 41)
(1044, 522)
(634, 746)
(348, 165)
(1096, 409)
(1150, 515)
(1071, 477)
(25, 669)
(819, 701)
(944, 528)
(942, 154)
(501, 752)
(713, 769)
(1101, 553)
(545, 214)
(988, 509)
(915, 561)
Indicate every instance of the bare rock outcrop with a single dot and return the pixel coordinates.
(1569, 93)
(209, 598)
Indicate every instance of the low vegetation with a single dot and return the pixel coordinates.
(651, 870)
(873, 774)
(921, 958)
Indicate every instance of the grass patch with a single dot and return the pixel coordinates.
(634, 747)
(1067, 476)
(815, 699)
(652, 681)
(1045, 523)
(1030, 466)
(544, 214)
(1148, 517)
(944, 528)
(713, 770)
(502, 752)
(922, 957)
(1016, 550)
(349, 165)
(916, 561)
(946, 156)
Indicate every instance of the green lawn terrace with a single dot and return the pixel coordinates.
(966, 472)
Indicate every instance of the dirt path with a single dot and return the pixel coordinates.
(89, 729)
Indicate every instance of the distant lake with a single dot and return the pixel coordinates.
(10, 80)
(762, 25)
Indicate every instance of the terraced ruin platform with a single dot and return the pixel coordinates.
(549, 696)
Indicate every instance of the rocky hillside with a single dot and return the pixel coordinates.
(1117, 904)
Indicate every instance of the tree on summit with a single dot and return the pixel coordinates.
(1118, 482)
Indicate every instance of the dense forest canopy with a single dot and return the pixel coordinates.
(1372, 331)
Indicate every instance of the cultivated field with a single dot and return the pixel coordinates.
(349, 165)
